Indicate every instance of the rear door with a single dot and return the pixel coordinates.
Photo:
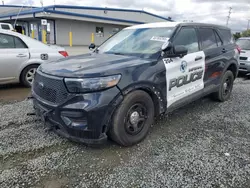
(185, 75)
(13, 52)
(213, 48)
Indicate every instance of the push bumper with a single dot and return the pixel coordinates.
(83, 118)
(244, 66)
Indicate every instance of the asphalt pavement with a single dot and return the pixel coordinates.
(204, 144)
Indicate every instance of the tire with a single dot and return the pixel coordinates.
(28, 75)
(122, 131)
(225, 91)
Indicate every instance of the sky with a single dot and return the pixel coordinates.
(207, 11)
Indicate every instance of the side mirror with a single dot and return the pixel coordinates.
(166, 46)
(179, 51)
(92, 46)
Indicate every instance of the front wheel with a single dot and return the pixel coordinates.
(132, 119)
(226, 87)
(28, 74)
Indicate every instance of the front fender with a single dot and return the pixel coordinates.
(153, 90)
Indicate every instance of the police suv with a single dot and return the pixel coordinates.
(139, 73)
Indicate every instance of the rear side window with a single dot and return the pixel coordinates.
(5, 26)
(226, 36)
(7, 41)
(208, 39)
(188, 38)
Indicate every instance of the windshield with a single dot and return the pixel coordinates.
(243, 44)
(142, 42)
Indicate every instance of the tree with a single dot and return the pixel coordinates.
(246, 33)
(237, 35)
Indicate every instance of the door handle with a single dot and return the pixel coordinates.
(21, 55)
(224, 50)
(198, 58)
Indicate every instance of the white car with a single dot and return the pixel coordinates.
(244, 44)
(6, 26)
(20, 56)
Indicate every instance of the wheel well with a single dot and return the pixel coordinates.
(233, 68)
(20, 76)
(155, 100)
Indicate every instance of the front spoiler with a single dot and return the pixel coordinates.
(100, 141)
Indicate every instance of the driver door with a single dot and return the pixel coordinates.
(184, 75)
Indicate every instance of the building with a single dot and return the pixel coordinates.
(73, 25)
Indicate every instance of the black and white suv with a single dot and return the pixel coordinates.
(139, 73)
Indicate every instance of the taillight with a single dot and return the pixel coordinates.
(64, 53)
(238, 48)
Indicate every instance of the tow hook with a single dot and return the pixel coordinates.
(31, 114)
(30, 97)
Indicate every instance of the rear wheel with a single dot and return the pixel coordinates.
(28, 74)
(226, 87)
(133, 118)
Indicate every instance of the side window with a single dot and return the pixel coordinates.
(19, 43)
(188, 38)
(208, 39)
(5, 26)
(219, 42)
(226, 35)
(7, 41)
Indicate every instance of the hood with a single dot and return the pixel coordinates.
(93, 65)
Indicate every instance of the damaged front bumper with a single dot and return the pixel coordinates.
(82, 118)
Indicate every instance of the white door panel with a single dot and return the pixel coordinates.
(10, 62)
(184, 76)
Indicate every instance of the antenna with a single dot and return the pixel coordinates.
(229, 13)
(18, 15)
(41, 1)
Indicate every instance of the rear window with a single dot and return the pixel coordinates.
(244, 44)
(226, 36)
(5, 26)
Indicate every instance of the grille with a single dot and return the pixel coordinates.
(243, 58)
(50, 88)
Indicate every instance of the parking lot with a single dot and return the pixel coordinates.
(205, 144)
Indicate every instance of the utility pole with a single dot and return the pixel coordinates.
(41, 1)
(229, 14)
(3, 2)
(248, 24)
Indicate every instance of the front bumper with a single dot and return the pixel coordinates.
(91, 113)
(244, 66)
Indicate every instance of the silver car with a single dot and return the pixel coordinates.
(20, 56)
(244, 44)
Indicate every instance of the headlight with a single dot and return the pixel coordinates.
(82, 85)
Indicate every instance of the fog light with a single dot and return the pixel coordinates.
(75, 122)
(79, 123)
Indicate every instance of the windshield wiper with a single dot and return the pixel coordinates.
(115, 53)
(118, 53)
